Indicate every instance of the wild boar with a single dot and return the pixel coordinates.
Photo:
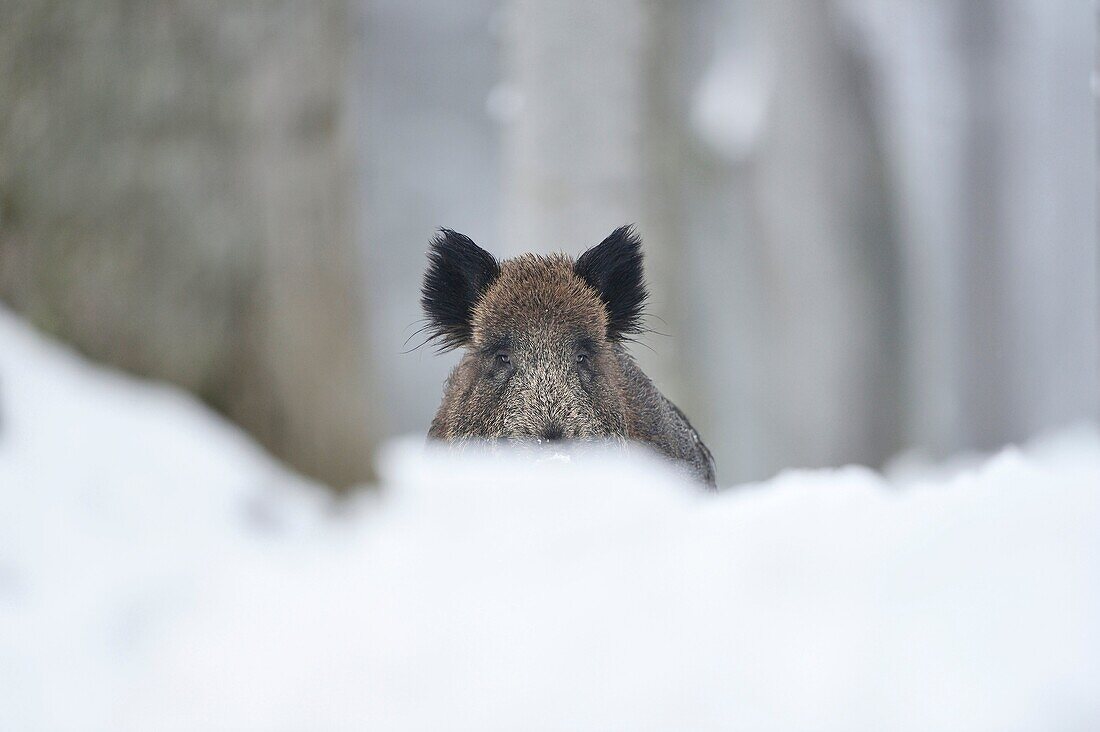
(545, 349)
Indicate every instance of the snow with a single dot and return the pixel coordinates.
(116, 499)
(158, 571)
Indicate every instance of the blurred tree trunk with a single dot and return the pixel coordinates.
(176, 199)
(917, 263)
(796, 243)
(987, 110)
(590, 145)
(828, 249)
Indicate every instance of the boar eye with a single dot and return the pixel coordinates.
(504, 358)
(582, 357)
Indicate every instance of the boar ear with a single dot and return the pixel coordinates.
(614, 269)
(458, 274)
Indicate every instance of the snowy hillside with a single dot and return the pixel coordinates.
(158, 571)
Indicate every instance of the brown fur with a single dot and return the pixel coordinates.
(566, 373)
(540, 313)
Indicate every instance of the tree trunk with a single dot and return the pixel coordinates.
(174, 199)
(590, 144)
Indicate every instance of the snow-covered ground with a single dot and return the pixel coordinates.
(158, 571)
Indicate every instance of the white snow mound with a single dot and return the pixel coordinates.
(157, 571)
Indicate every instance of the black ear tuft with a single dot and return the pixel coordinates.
(458, 274)
(614, 269)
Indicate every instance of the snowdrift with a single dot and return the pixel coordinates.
(158, 571)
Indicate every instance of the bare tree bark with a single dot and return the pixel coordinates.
(590, 144)
(175, 200)
(828, 251)
(986, 107)
(311, 350)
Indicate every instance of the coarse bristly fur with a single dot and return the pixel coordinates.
(545, 349)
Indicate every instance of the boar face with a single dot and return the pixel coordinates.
(541, 335)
